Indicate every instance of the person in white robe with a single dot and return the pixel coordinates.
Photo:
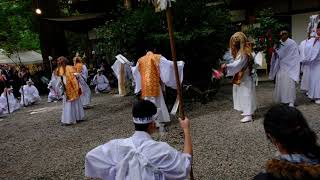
(13, 102)
(72, 107)
(139, 156)
(82, 76)
(150, 73)
(122, 70)
(54, 90)
(312, 57)
(285, 69)
(101, 82)
(305, 67)
(29, 94)
(244, 93)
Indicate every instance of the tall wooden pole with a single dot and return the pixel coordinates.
(176, 72)
(174, 58)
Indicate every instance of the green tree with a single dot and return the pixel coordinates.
(16, 27)
(201, 34)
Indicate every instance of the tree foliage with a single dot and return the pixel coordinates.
(201, 35)
(16, 26)
(267, 33)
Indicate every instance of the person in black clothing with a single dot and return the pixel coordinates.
(299, 154)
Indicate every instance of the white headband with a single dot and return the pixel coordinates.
(145, 120)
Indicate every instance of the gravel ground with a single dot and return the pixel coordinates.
(33, 144)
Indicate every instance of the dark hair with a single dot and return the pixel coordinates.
(318, 26)
(141, 109)
(288, 127)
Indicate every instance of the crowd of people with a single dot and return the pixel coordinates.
(298, 155)
(141, 157)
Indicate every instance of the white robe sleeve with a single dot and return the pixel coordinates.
(167, 73)
(100, 162)
(116, 68)
(136, 77)
(173, 164)
(105, 80)
(234, 67)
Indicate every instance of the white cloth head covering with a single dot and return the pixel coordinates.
(145, 120)
(30, 81)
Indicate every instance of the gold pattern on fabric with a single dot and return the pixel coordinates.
(150, 74)
(72, 88)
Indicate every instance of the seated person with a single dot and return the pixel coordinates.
(101, 82)
(139, 156)
(13, 102)
(29, 94)
(299, 154)
(53, 86)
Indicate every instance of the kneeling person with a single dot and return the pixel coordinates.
(29, 94)
(140, 157)
(101, 82)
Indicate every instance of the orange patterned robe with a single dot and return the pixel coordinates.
(150, 75)
(72, 88)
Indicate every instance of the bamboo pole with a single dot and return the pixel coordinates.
(176, 72)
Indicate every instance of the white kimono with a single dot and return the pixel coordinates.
(122, 70)
(312, 57)
(244, 95)
(29, 95)
(138, 157)
(285, 67)
(167, 77)
(102, 83)
(85, 89)
(305, 67)
(55, 91)
(13, 103)
(72, 110)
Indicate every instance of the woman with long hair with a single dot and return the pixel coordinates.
(72, 106)
(244, 93)
(82, 77)
(296, 143)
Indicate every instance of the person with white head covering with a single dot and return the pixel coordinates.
(122, 70)
(101, 82)
(55, 93)
(29, 94)
(7, 100)
(139, 156)
(244, 92)
(285, 69)
(312, 57)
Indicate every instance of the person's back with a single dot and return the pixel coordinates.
(139, 156)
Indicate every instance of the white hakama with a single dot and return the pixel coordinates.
(102, 83)
(72, 111)
(29, 95)
(13, 103)
(138, 157)
(312, 53)
(285, 88)
(85, 89)
(305, 67)
(167, 77)
(285, 69)
(244, 95)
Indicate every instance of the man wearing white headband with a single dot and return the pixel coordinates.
(140, 157)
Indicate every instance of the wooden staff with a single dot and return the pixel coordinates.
(176, 72)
